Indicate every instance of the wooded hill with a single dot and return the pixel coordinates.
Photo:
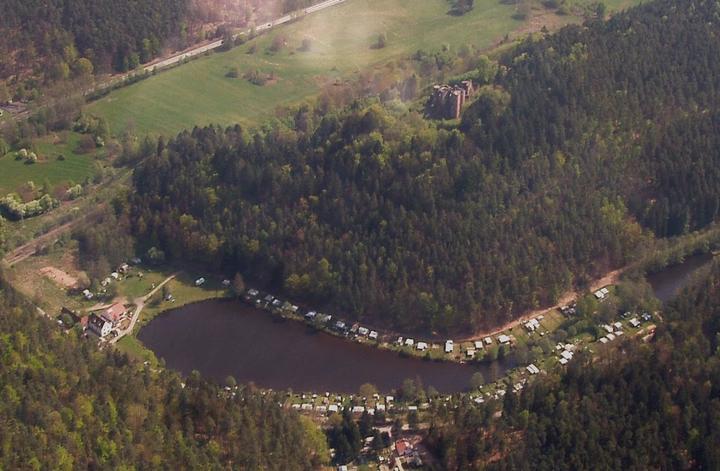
(46, 42)
(66, 405)
(56, 35)
(561, 170)
(653, 406)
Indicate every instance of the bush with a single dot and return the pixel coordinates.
(257, 78)
(233, 73)
(381, 41)
(74, 192)
(86, 144)
(278, 43)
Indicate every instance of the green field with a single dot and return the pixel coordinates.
(75, 168)
(341, 38)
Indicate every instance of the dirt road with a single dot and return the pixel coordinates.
(610, 278)
(27, 250)
(139, 305)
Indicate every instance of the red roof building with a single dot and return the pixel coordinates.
(403, 447)
(115, 312)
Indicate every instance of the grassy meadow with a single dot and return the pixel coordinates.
(74, 168)
(342, 39)
(342, 42)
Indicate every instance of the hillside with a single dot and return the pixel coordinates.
(43, 43)
(651, 406)
(65, 405)
(318, 56)
(58, 35)
(382, 215)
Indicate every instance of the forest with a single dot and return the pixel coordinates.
(67, 405)
(48, 42)
(564, 166)
(72, 37)
(646, 406)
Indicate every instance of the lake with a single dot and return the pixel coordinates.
(668, 282)
(225, 337)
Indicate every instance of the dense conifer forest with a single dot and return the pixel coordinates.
(647, 406)
(575, 155)
(66, 405)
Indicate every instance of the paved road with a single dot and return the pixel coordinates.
(161, 64)
(196, 51)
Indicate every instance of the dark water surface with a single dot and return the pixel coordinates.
(222, 337)
(668, 282)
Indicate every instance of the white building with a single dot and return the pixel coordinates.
(99, 325)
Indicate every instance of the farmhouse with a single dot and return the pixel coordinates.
(114, 313)
(99, 326)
